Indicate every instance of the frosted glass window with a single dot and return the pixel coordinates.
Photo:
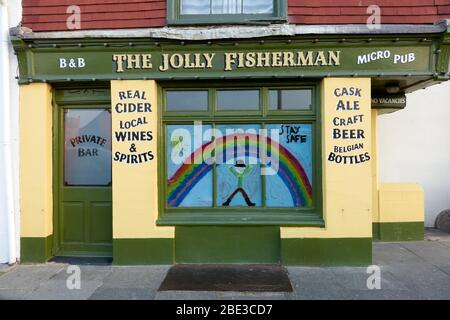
(257, 7)
(195, 7)
(226, 7)
(87, 147)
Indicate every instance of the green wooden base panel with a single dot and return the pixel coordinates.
(227, 245)
(36, 250)
(326, 252)
(143, 251)
(375, 231)
(398, 231)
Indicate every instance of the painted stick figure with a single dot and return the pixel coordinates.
(240, 171)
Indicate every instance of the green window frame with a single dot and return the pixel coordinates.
(174, 16)
(217, 214)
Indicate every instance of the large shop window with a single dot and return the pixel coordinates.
(225, 11)
(242, 152)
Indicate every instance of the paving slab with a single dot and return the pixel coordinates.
(436, 235)
(253, 295)
(4, 268)
(409, 270)
(318, 293)
(387, 253)
(13, 294)
(105, 293)
(356, 278)
(445, 269)
(305, 279)
(28, 277)
(58, 290)
(446, 244)
(220, 295)
(380, 295)
(433, 293)
(87, 273)
(420, 276)
(351, 278)
(136, 277)
(432, 252)
(314, 283)
(186, 295)
(130, 282)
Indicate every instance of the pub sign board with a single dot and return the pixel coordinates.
(388, 101)
(241, 60)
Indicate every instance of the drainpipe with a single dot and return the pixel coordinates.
(6, 168)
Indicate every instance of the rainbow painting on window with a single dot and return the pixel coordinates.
(249, 166)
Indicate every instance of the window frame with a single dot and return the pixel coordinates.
(174, 16)
(216, 215)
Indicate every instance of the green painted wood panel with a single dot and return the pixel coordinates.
(143, 251)
(83, 214)
(35, 250)
(326, 252)
(398, 231)
(105, 59)
(227, 245)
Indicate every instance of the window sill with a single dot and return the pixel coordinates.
(244, 219)
(224, 21)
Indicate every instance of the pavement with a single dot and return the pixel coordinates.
(408, 270)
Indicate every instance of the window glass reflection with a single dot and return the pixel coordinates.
(187, 101)
(289, 99)
(238, 100)
(87, 147)
(191, 7)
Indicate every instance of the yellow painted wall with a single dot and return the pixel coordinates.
(135, 186)
(36, 196)
(375, 207)
(347, 188)
(351, 195)
(394, 202)
(401, 202)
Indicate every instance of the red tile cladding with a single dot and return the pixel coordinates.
(50, 15)
(355, 12)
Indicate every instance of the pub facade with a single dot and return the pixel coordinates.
(231, 143)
